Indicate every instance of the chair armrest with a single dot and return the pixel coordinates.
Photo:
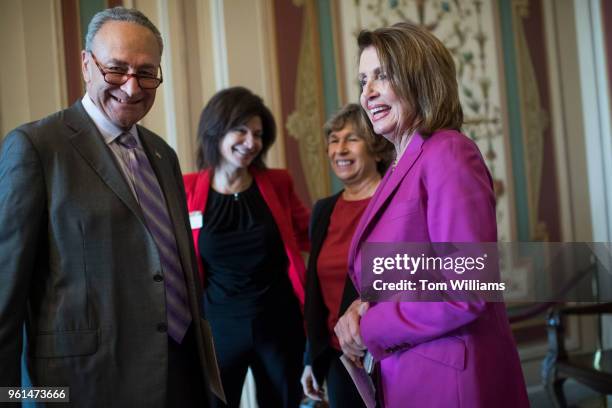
(587, 309)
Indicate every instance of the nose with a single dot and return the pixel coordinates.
(342, 147)
(369, 91)
(249, 140)
(131, 86)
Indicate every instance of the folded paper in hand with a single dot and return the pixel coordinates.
(362, 381)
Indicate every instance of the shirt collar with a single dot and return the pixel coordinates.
(108, 129)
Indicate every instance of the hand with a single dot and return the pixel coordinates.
(310, 386)
(348, 333)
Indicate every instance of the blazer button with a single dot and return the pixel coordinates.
(158, 278)
(162, 327)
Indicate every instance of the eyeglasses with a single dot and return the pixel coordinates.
(116, 77)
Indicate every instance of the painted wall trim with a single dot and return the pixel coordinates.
(331, 100)
(170, 101)
(596, 108)
(559, 132)
(514, 120)
(217, 21)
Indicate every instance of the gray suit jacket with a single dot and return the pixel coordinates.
(77, 265)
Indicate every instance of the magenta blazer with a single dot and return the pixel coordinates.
(438, 354)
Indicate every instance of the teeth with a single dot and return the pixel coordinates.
(343, 162)
(125, 101)
(378, 109)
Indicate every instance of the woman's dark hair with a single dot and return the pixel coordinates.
(378, 146)
(227, 110)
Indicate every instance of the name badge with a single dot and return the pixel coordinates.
(195, 219)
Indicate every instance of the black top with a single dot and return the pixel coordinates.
(318, 350)
(243, 254)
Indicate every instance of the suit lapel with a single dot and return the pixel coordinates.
(270, 197)
(385, 191)
(320, 219)
(89, 143)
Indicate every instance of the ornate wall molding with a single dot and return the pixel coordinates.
(535, 122)
(304, 123)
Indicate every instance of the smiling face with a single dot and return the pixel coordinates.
(240, 146)
(382, 105)
(127, 47)
(349, 156)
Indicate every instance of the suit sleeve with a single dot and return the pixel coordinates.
(300, 216)
(22, 208)
(183, 191)
(180, 182)
(460, 208)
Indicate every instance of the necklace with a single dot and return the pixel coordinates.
(393, 165)
(224, 186)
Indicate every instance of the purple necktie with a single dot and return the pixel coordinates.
(158, 221)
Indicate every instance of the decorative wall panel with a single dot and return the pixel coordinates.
(301, 96)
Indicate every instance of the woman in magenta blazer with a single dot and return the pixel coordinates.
(248, 228)
(430, 354)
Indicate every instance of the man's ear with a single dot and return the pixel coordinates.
(85, 61)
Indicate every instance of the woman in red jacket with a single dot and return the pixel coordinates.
(249, 227)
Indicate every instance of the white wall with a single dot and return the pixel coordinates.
(209, 45)
(594, 86)
(31, 73)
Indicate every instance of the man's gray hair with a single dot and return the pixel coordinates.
(120, 14)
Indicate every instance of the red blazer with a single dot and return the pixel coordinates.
(291, 216)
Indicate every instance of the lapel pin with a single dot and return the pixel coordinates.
(158, 155)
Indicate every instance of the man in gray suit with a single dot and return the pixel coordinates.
(96, 255)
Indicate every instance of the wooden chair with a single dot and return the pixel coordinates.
(593, 369)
